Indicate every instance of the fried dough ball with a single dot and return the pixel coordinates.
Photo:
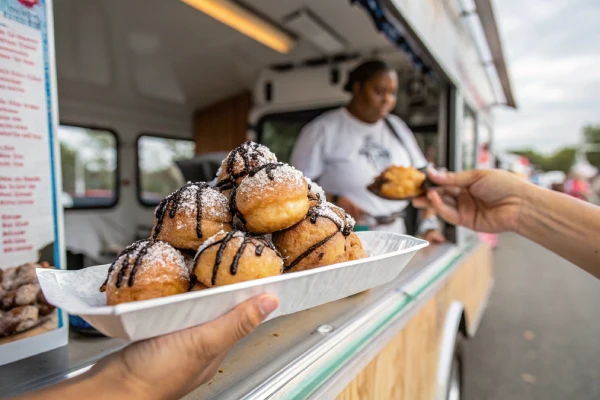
(234, 257)
(273, 198)
(189, 216)
(242, 160)
(401, 182)
(18, 319)
(354, 248)
(314, 198)
(319, 240)
(147, 269)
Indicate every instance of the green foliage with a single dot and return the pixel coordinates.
(561, 160)
(591, 134)
(67, 160)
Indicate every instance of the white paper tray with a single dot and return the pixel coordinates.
(77, 291)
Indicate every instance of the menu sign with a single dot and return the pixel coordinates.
(29, 208)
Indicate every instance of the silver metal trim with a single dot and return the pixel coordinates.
(485, 10)
(344, 376)
(417, 291)
(451, 328)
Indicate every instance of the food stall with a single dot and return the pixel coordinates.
(144, 85)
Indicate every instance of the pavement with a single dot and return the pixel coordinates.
(540, 335)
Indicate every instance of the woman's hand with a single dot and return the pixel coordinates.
(482, 200)
(355, 211)
(434, 236)
(170, 366)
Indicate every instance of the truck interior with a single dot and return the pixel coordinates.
(154, 93)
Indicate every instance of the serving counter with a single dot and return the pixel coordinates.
(311, 354)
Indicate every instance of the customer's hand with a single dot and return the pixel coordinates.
(170, 366)
(482, 200)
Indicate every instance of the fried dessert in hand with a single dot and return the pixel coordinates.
(319, 240)
(234, 257)
(242, 160)
(189, 216)
(271, 198)
(399, 182)
(147, 269)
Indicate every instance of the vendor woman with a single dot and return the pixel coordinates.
(345, 149)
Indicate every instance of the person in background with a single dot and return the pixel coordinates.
(166, 367)
(345, 149)
(486, 160)
(497, 201)
(577, 186)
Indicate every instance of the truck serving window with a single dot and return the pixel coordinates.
(469, 139)
(89, 164)
(158, 173)
(279, 131)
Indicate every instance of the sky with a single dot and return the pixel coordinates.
(552, 49)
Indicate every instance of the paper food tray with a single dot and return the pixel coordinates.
(77, 291)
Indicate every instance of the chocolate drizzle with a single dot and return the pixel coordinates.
(259, 241)
(219, 256)
(259, 249)
(269, 168)
(312, 196)
(308, 251)
(250, 154)
(141, 247)
(174, 200)
(344, 225)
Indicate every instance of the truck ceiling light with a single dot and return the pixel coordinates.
(245, 22)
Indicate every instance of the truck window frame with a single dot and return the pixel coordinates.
(258, 128)
(117, 188)
(138, 172)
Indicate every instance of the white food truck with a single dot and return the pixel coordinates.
(152, 93)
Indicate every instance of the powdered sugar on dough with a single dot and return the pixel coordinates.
(159, 255)
(261, 181)
(213, 239)
(334, 213)
(315, 188)
(257, 154)
(215, 205)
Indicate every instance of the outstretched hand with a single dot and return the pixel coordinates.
(482, 200)
(176, 364)
(165, 367)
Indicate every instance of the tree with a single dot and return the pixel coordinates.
(561, 160)
(591, 135)
(67, 166)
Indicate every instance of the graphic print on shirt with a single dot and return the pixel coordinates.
(375, 154)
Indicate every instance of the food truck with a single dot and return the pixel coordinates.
(141, 96)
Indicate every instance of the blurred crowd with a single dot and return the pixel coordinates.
(582, 181)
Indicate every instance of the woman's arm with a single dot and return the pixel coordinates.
(497, 201)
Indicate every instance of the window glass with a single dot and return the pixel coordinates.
(279, 132)
(159, 174)
(88, 158)
(468, 139)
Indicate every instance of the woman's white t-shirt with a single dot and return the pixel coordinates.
(344, 155)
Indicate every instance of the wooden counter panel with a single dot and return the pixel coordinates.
(222, 126)
(406, 368)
